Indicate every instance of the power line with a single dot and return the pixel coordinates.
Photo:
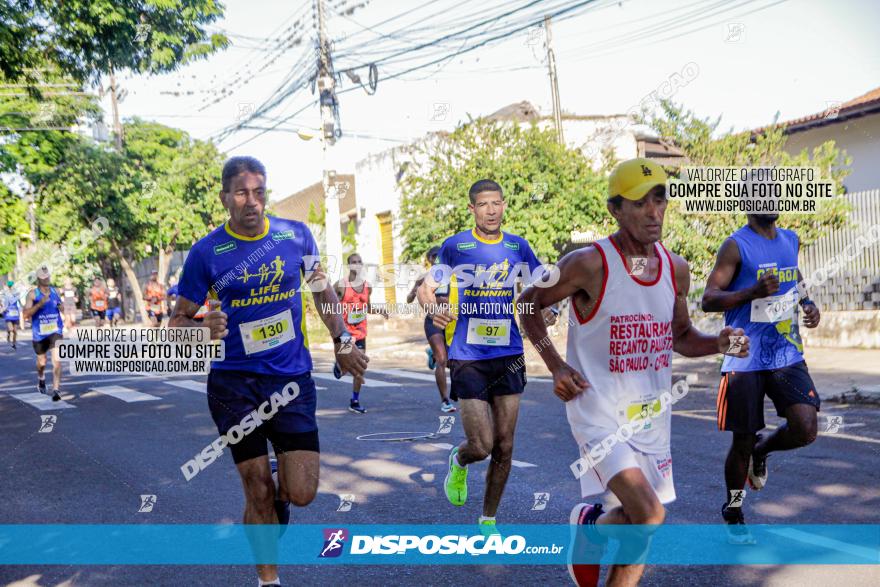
(641, 39)
(291, 88)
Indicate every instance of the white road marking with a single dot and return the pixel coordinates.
(347, 379)
(442, 445)
(41, 401)
(515, 463)
(843, 435)
(126, 394)
(405, 374)
(829, 543)
(199, 386)
(70, 381)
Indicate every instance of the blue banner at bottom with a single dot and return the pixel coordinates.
(234, 544)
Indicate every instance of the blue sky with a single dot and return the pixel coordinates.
(757, 58)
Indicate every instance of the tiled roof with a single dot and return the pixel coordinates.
(835, 113)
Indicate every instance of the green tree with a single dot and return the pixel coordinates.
(549, 189)
(35, 126)
(12, 226)
(179, 179)
(158, 195)
(88, 37)
(697, 237)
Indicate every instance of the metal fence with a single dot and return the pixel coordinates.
(856, 284)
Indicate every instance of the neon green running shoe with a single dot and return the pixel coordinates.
(455, 484)
(488, 528)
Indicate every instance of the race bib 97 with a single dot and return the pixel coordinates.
(488, 332)
(267, 333)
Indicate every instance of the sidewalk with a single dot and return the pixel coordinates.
(839, 374)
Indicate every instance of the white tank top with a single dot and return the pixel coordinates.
(624, 349)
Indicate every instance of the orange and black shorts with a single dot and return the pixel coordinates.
(740, 403)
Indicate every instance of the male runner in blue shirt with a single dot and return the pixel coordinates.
(255, 269)
(754, 282)
(486, 360)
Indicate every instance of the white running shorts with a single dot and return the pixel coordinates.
(657, 469)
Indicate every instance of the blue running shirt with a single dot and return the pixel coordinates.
(47, 320)
(258, 282)
(10, 302)
(775, 340)
(481, 275)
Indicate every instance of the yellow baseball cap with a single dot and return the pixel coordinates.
(634, 178)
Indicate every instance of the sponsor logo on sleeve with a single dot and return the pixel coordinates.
(284, 235)
(225, 248)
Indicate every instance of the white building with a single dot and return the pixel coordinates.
(854, 126)
(373, 200)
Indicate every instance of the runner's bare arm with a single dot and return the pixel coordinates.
(30, 307)
(415, 289)
(811, 310)
(326, 300)
(215, 318)
(686, 339)
(715, 299)
(428, 299)
(351, 360)
(580, 272)
(426, 289)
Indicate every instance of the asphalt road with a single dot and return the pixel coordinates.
(118, 437)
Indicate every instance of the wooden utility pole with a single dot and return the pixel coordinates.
(117, 126)
(554, 82)
(327, 92)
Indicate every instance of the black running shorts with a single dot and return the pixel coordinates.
(43, 346)
(487, 378)
(740, 402)
(431, 330)
(233, 395)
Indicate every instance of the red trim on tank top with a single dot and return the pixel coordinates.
(671, 268)
(601, 292)
(634, 278)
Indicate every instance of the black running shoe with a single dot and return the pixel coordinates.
(41, 386)
(56, 395)
(737, 531)
(356, 408)
(337, 372)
